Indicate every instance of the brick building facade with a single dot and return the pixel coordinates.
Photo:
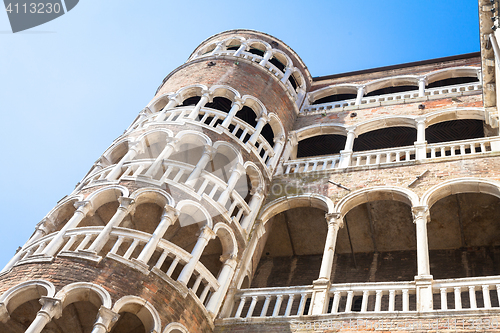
(248, 196)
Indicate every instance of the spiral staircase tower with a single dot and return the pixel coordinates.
(159, 232)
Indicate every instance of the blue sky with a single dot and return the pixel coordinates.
(71, 86)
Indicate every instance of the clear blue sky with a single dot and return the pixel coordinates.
(71, 86)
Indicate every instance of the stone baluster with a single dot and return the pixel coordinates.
(217, 49)
(254, 205)
(240, 50)
(265, 59)
(83, 208)
(126, 206)
(286, 75)
(205, 235)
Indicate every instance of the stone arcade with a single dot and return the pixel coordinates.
(249, 196)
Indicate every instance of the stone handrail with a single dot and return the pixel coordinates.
(311, 164)
(460, 148)
(269, 301)
(396, 98)
(381, 156)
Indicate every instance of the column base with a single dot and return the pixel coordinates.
(319, 299)
(424, 293)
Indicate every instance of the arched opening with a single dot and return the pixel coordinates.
(21, 317)
(209, 49)
(211, 258)
(128, 323)
(392, 90)
(268, 134)
(154, 143)
(193, 100)
(383, 138)
(233, 44)
(220, 103)
(101, 216)
(61, 217)
(293, 250)
(453, 81)
(319, 145)
(335, 98)
(118, 152)
(76, 317)
(188, 152)
(464, 236)
(453, 130)
(146, 217)
(257, 51)
(279, 63)
(248, 115)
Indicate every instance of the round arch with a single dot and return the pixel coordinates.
(285, 203)
(332, 90)
(224, 91)
(175, 328)
(375, 193)
(25, 292)
(449, 73)
(454, 114)
(460, 185)
(107, 194)
(380, 123)
(84, 291)
(320, 129)
(154, 195)
(146, 312)
(409, 80)
(194, 211)
(227, 239)
(191, 91)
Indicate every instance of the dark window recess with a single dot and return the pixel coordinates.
(357, 301)
(190, 101)
(454, 130)
(321, 145)
(452, 81)
(220, 103)
(268, 134)
(334, 98)
(278, 64)
(293, 82)
(256, 51)
(233, 47)
(391, 90)
(247, 115)
(386, 138)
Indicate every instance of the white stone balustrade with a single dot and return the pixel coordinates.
(273, 302)
(383, 156)
(396, 98)
(125, 245)
(460, 148)
(312, 164)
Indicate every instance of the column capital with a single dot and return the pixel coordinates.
(420, 120)
(206, 233)
(126, 203)
(361, 89)
(44, 223)
(170, 213)
(209, 150)
(263, 117)
(423, 79)
(292, 138)
(146, 111)
(238, 168)
(173, 142)
(51, 307)
(106, 318)
(334, 220)
(279, 138)
(4, 313)
(229, 259)
(175, 97)
(83, 207)
(259, 191)
(238, 102)
(420, 212)
(351, 129)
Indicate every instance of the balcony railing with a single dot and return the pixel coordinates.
(238, 128)
(175, 174)
(470, 294)
(125, 245)
(396, 98)
(431, 152)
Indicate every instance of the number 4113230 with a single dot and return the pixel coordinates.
(33, 8)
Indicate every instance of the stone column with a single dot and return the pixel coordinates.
(173, 101)
(346, 154)
(235, 107)
(335, 222)
(421, 144)
(140, 118)
(83, 207)
(266, 58)
(200, 166)
(240, 50)
(126, 205)
(254, 206)
(51, 307)
(167, 219)
(105, 320)
(170, 147)
(217, 48)
(279, 143)
(224, 280)
(205, 98)
(261, 122)
(205, 236)
(319, 300)
(360, 95)
(288, 72)
(132, 152)
(236, 173)
(422, 82)
(424, 279)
